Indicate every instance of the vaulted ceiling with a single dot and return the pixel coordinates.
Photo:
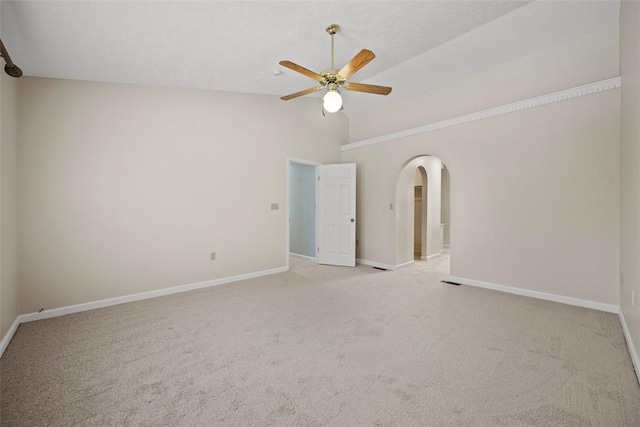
(235, 46)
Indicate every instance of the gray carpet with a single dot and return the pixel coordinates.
(324, 346)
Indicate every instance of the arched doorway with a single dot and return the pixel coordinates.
(422, 207)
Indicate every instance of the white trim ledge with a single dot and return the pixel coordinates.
(632, 349)
(424, 258)
(46, 314)
(404, 265)
(525, 104)
(305, 257)
(385, 266)
(9, 335)
(609, 308)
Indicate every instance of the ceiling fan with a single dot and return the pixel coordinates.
(333, 79)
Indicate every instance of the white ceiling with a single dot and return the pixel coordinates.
(235, 46)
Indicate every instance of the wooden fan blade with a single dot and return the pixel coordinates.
(357, 62)
(301, 93)
(363, 87)
(295, 67)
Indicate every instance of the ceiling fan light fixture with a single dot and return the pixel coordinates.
(332, 101)
(332, 78)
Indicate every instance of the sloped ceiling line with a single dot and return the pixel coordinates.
(234, 46)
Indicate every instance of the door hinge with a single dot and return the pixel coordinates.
(318, 177)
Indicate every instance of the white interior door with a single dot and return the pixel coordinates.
(337, 214)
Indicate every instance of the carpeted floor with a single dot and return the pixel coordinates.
(324, 346)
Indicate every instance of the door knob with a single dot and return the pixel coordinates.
(353, 220)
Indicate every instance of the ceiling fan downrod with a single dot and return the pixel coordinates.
(332, 30)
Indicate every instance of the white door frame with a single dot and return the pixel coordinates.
(288, 201)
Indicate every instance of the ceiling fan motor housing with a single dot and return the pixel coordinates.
(331, 76)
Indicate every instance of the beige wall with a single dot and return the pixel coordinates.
(630, 167)
(9, 295)
(534, 194)
(127, 189)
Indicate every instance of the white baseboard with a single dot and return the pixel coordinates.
(145, 295)
(375, 264)
(384, 266)
(305, 257)
(424, 258)
(630, 344)
(610, 308)
(9, 335)
(405, 265)
(446, 246)
(46, 314)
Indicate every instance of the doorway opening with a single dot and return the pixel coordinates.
(321, 212)
(445, 206)
(301, 209)
(420, 199)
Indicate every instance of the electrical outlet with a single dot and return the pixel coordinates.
(275, 206)
(213, 256)
(390, 206)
